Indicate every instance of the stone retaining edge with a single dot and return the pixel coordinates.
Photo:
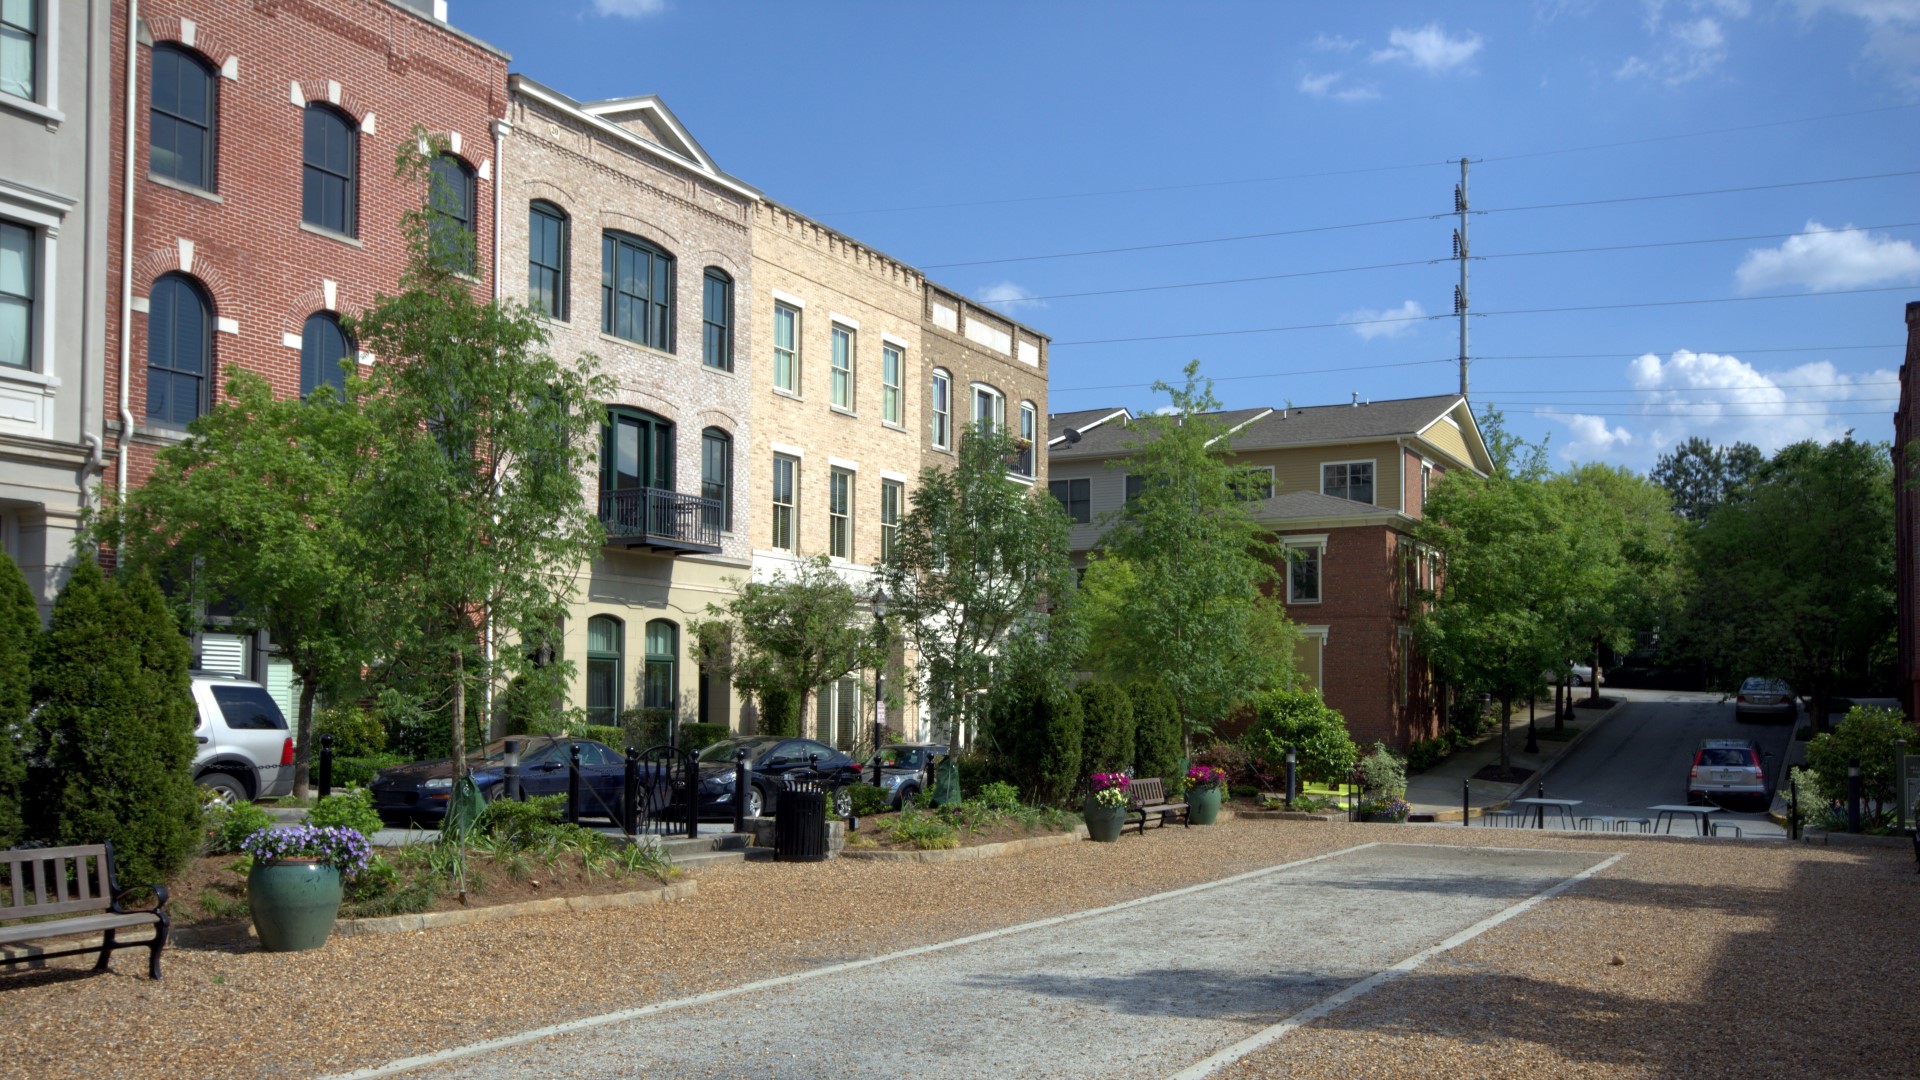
(983, 851)
(430, 920)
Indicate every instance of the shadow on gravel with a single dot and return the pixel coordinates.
(1492, 888)
(1187, 993)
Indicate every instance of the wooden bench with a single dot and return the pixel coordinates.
(77, 882)
(1147, 797)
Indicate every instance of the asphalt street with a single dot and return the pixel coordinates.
(1640, 754)
(1147, 988)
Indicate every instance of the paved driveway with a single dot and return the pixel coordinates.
(1147, 988)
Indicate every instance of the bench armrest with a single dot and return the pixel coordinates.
(159, 899)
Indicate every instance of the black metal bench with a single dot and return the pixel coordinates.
(77, 882)
(1147, 798)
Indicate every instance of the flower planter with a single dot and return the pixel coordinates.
(293, 902)
(1203, 805)
(1103, 822)
(1386, 819)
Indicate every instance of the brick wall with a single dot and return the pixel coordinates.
(970, 361)
(385, 67)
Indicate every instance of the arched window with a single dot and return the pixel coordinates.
(637, 451)
(330, 170)
(989, 408)
(716, 337)
(323, 344)
(452, 197)
(716, 477)
(662, 688)
(179, 349)
(606, 656)
(636, 291)
(184, 122)
(547, 229)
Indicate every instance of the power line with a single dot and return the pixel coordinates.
(1704, 389)
(1703, 404)
(1693, 194)
(1264, 375)
(1707, 416)
(1697, 134)
(1643, 352)
(1509, 311)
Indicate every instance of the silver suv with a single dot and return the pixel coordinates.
(244, 749)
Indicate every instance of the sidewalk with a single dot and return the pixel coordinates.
(1437, 791)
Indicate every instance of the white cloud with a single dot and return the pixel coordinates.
(1592, 438)
(1391, 323)
(1725, 399)
(1428, 48)
(1327, 87)
(1333, 43)
(629, 9)
(1822, 259)
(1876, 12)
(1683, 52)
(1893, 43)
(1008, 296)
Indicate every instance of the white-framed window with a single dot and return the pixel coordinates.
(839, 707)
(893, 397)
(840, 513)
(786, 348)
(989, 408)
(20, 54)
(786, 501)
(1351, 480)
(940, 402)
(19, 281)
(1029, 432)
(893, 497)
(1304, 558)
(1426, 482)
(842, 361)
(1258, 482)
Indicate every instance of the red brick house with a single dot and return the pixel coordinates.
(1349, 482)
(1906, 502)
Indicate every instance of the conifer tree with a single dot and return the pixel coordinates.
(19, 631)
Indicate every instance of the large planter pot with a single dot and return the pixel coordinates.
(293, 903)
(1203, 805)
(1103, 822)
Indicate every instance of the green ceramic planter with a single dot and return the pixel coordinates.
(1203, 805)
(293, 903)
(1103, 822)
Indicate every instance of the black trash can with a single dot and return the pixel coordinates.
(800, 823)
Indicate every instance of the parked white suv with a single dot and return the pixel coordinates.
(244, 749)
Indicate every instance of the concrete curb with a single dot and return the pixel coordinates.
(1547, 766)
(1287, 815)
(432, 920)
(1826, 839)
(963, 854)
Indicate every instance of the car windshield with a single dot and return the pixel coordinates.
(894, 757)
(1763, 686)
(532, 751)
(1725, 758)
(727, 749)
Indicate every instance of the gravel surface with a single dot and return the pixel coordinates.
(1736, 958)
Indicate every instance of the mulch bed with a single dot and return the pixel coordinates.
(873, 829)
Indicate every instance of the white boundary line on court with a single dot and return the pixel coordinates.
(440, 1057)
(1210, 1065)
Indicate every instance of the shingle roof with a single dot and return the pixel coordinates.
(1299, 505)
(1058, 423)
(1312, 424)
(1115, 437)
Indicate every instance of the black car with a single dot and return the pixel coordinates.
(418, 792)
(903, 768)
(774, 760)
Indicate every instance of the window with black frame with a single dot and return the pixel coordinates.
(547, 229)
(716, 478)
(636, 291)
(183, 119)
(330, 168)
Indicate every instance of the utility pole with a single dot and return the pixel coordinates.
(1460, 255)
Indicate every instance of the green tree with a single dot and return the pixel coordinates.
(476, 509)
(19, 635)
(1156, 729)
(1700, 476)
(1795, 578)
(979, 561)
(1038, 731)
(1199, 562)
(256, 511)
(117, 715)
(1300, 719)
(1621, 561)
(783, 639)
(1866, 735)
(1108, 742)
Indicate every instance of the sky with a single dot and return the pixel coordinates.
(1268, 188)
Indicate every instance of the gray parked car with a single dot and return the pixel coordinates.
(243, 750)
(1728, 772)
(1765, 699)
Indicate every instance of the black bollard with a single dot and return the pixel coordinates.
(573, 782)
(630, 794)
(326, 764)
(1466, 804)
(742, 786)
(1293, 776)
(1853, 795)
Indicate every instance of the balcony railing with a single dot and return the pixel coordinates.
(657, 518)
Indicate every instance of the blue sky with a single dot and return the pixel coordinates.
(993, 144)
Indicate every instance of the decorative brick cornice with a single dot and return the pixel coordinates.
(208, 42)
(294, 319)
(738, 224)
(208, 272)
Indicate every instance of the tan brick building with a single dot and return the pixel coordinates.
(636, 245)
(978, 364)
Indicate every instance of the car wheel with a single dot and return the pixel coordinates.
(1576, 680)
(755, 802)
(843, 803)
(223, 788)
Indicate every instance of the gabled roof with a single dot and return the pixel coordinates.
(661, 133)
(1308, 505)
(1116, 436)
(1345, 423)
(1058, 424)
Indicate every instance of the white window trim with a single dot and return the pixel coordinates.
(790, 451)
(1318, 545)
(891, 339)
(789, 299)
(890, 343)
(1323, 633)
(793, 529)
(847, 321)
(44, 107)
(1374, 462)
(799, 327)
(932, 412)
(843, 463)
(1426, 482)
(853, 478)
(898, 478)
(41, 213)
(1272, 480)
(973, 403)
(841, 322)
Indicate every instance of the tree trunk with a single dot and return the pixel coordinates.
(1506, 731)
(459, 714)
(1593, 684)
(1559, 705)
(303, 737)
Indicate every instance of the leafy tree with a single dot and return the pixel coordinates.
(1301, 719)
(256, 510)
(117, 715)
(1199, 561)
(19, 635)
(1867, 735)
(1038, 731)
(475, 497)
(1107, 745)
(784, 639)
(1621, 560)
(1156, 729)
(1795, 579)
(1700, 476)
(979, 561)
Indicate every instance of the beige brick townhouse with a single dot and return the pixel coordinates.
(623, 231)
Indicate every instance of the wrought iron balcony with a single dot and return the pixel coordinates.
(663, 520)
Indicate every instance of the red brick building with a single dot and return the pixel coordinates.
(1349, 482)
(1906, 501)
(253, 198)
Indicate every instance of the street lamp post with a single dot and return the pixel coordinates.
(879, 681)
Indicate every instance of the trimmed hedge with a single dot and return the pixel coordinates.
(19, 635)
(1156, 722)
(1107, 744)
(779, 712)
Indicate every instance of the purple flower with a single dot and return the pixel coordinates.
(346, 850)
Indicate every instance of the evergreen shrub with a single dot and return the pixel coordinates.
(356, 731)
(1299, 718)
(1156, 720)
(1038, 732)
(19, 636)
(779, 712)
(1108, 743)
(697, 737)
(869, 800)
(351, 809)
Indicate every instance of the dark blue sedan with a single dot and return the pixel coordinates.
(417, 793)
